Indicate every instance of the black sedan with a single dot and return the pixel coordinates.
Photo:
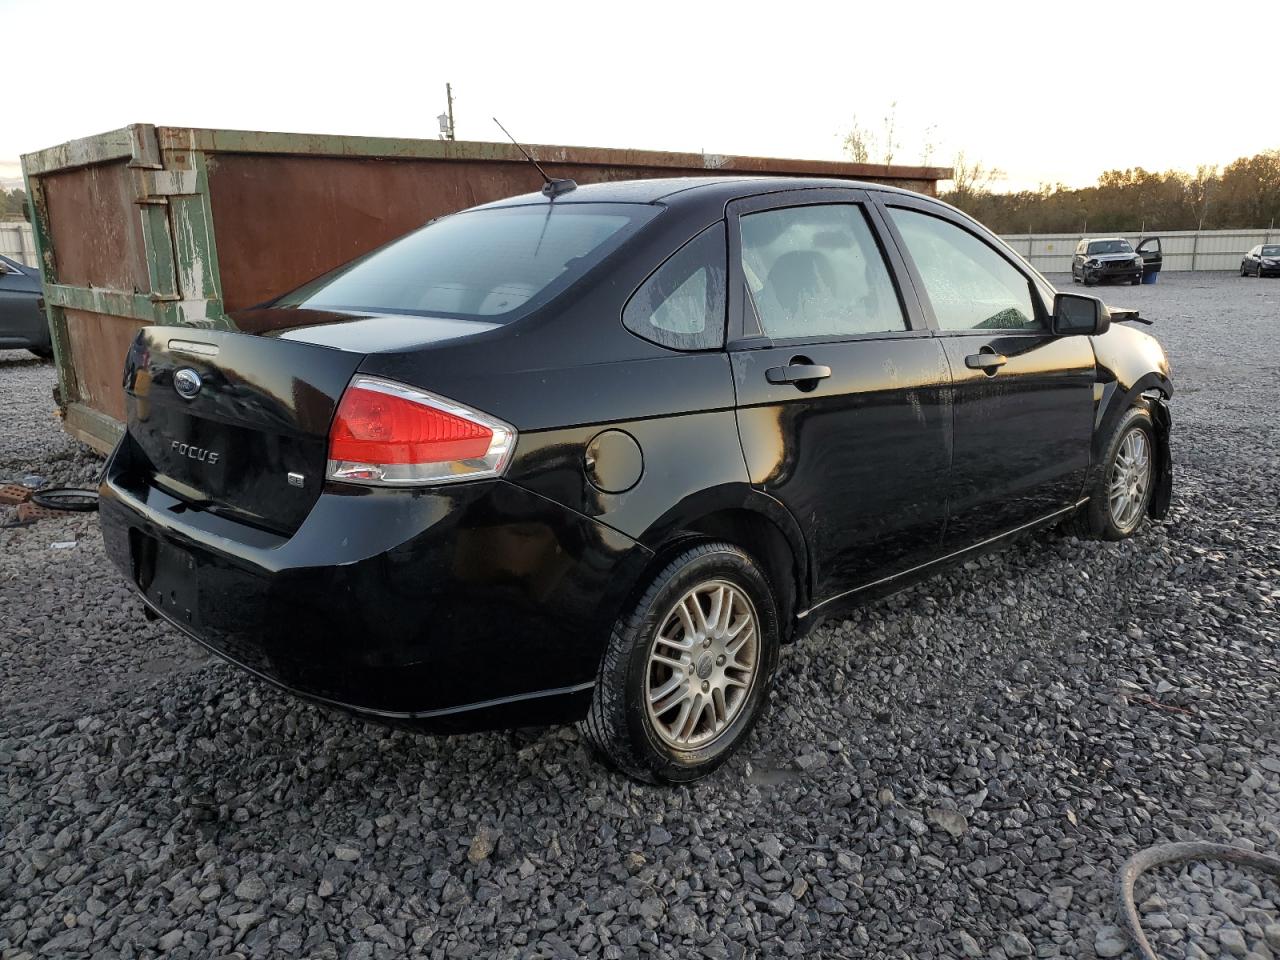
(1262, 261)
(22, 321)
(597, 457)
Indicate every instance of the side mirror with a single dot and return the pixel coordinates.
(1074, 313)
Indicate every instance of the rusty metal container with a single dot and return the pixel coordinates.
(172, 225)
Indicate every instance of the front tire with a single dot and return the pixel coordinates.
(688, 667)
(1122, 488)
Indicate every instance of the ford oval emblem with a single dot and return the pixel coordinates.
(187, 383)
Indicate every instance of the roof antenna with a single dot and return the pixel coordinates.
(552, 188)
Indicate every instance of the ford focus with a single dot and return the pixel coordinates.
(597, 456)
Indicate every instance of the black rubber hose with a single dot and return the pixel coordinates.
(75, 499)
(1166, 853)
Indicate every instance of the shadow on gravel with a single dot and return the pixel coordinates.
(16, 359)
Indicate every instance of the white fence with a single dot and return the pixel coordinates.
(16, 242)
(1183, 249)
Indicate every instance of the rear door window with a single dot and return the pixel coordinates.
(682, 304)
(816, 271)
(494, 264)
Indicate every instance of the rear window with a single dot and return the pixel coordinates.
(493, 265)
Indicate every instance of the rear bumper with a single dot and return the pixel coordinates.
(461, 608)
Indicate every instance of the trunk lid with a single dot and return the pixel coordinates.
(235, 423)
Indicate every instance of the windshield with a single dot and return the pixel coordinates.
(1110, 246)
(492, 265)
(1271, 251)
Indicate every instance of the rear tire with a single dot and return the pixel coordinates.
(638, 719)
(1123, 481)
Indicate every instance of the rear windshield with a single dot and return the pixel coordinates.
(1271, 251)
(1110, 246)
(494, 265)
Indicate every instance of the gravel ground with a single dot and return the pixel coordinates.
(957, 770)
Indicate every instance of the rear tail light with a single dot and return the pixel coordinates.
(385, 433)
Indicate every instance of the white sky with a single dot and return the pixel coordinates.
(1046, 92)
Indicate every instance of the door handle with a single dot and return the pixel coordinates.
(797, 373)
(986, 362)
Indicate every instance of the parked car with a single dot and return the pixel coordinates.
(22, 320)
(598, 457)
(1106, 258)
(1262, 261)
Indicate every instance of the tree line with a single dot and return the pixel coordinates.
(1243, 195)
(11, 202)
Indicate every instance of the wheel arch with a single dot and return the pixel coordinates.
(1150, 392)
(748, 518)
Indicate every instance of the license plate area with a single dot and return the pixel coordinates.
(166, 575)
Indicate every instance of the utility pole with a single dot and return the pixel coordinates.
(446, 119)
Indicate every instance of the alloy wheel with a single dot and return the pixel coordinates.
(702, 664)
(1130, 478)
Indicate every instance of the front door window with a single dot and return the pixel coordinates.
(970, 286)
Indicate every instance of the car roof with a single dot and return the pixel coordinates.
(669, 190)
(1101, 239)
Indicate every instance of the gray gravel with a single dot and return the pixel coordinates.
(958, 770)
(1208, 909)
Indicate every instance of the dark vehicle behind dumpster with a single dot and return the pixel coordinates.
(22, 321)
